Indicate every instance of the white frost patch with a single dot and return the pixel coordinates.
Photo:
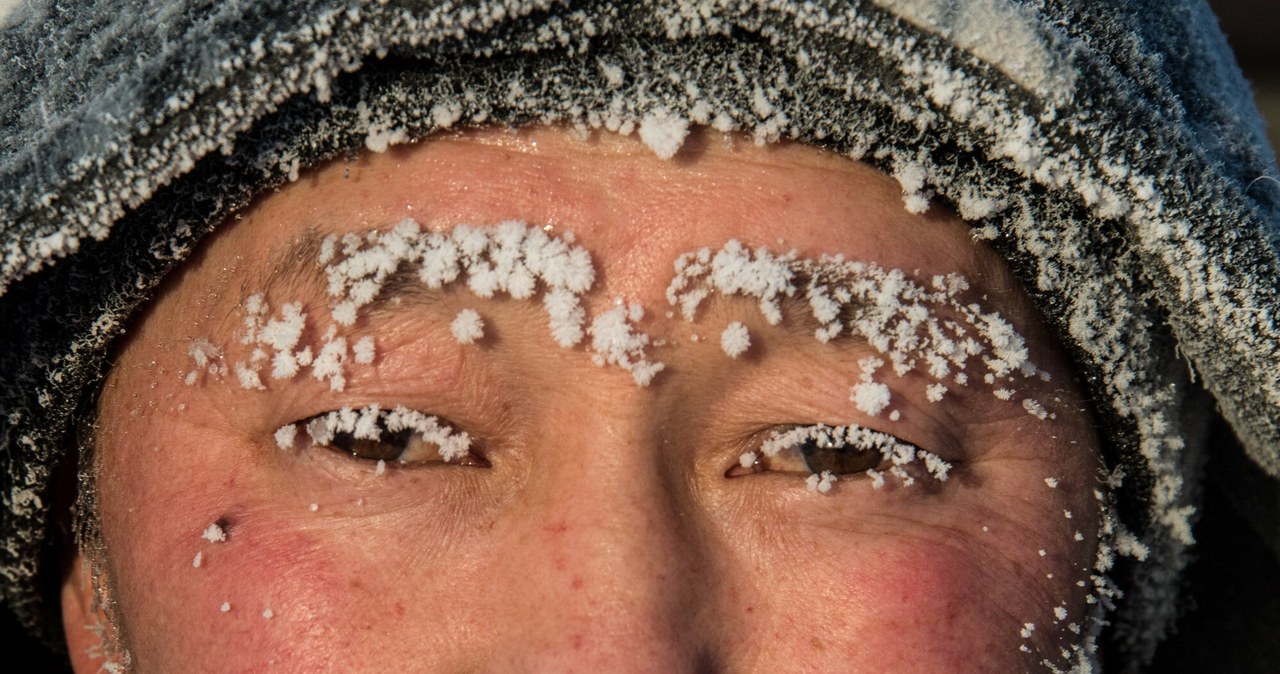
(821, 483)
(197, 560)
(363, 350)
(735, 340)
(467, 327)
(214, 534)
(614, 341)
(207, 358)
(509, 258)
(1027, 629)
(1051, 482)
(870, 397)
(664, 132)
(926, 325)
(226, 606)
(1035, 409)
(268, 614)
(248, 378)
(1016, 48)
(285, 436)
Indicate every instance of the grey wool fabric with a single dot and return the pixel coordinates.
(1109, 150)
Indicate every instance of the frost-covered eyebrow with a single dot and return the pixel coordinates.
(293, 271)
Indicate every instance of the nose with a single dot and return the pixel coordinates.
(615, 576)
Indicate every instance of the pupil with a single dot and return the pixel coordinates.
(822, 456)
(387, 448)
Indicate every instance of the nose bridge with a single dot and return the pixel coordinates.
(618, 548)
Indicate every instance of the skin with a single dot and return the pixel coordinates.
(605, 535)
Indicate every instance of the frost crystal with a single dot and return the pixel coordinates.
(664, 132)
(363, 350)
(870, 397)
(915, 325)
(735, 340)
(467, 327)
(214, 534)
(821, 483)
(854, 438)
(614, 341)
(370, 422)
(285, 436)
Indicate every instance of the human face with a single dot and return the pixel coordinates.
(595, 524)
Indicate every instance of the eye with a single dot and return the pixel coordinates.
(402, 435)
(825, 453)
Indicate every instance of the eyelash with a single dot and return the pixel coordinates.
(832, 451)
(402, 436)
(410, 438)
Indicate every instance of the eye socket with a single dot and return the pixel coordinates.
(827, 452)
(402, 435)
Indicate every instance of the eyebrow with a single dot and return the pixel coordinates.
(292, 271)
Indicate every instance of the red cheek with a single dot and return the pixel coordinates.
(916, 604)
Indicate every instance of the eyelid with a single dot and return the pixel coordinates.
(377, 430)
(892, 451)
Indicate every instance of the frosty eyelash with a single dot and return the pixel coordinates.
(400, 435)
(828, 452)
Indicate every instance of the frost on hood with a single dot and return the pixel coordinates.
(1005, 34)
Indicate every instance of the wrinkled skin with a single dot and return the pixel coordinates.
(605, 535)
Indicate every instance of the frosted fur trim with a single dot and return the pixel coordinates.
(1129, 208)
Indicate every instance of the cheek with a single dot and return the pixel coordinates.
(280, 591)
(909, 605)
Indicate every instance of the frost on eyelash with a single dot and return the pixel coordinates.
(914, 325)
(368, 423)
(890, 448)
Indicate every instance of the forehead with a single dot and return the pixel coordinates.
(636, 213)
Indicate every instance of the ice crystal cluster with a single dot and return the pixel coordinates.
(510, 259)
(925, 326)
